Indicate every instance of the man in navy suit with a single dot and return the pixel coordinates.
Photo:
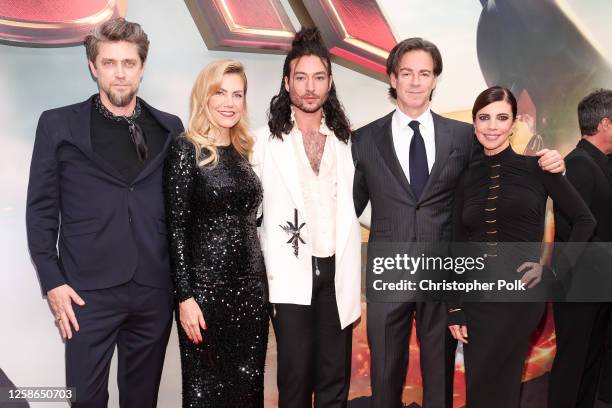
(96, 224)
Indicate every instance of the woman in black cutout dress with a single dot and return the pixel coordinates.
(503, 199)
(212, 197)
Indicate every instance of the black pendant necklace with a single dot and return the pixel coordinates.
(293, 229)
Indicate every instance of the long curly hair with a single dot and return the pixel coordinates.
(202, 131)
(307, 42)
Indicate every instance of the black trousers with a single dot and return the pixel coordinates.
(580, 329)
(389, 329)
(314, 354)
(135, 318)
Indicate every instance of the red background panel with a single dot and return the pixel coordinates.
(365, 21)
(254, 13)
(243, 25)
(49, 11)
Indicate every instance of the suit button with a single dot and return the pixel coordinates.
(131, 188)
(417, 207)
(130, 220)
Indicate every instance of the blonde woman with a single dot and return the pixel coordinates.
(212, 196)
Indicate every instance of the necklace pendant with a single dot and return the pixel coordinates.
(293, 229)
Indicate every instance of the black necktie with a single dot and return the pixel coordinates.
(419, 171)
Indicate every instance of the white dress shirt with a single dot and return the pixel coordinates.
(402, 136)
(319, 193)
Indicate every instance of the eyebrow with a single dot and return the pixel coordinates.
(125, 59)
(410, 69)
(316, 73)
(225, 90)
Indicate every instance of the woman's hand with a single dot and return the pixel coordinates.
(192, 320)
(532, 275)
(459, 332)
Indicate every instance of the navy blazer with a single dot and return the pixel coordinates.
(110, 231)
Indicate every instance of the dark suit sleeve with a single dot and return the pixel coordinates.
(42, 209)
(179, 175)
(361, 194)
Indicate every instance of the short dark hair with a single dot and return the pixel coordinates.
(407, 45)
(307, 41)
(594, 108)
(494, 94)
(113, 30)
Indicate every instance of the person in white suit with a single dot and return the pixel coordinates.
(310, 235)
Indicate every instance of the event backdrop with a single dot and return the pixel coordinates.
(550, 53)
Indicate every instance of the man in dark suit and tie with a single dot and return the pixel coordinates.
(581, 327)
(96, 224)
(407, 164)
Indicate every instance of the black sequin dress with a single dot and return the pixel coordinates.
(217, 260)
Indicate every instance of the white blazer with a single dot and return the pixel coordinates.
(290, 277)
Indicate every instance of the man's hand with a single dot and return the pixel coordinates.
(551, 161)
(60, 299)
(459, 332)
(192, 320)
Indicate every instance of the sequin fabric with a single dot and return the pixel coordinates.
(216, 258)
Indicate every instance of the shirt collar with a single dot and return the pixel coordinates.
(425, 119)
(597, 155)
(323, 129)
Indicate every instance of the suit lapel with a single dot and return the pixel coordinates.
(443, 137)
(80, 132)
(607, 171)
(599, 158)
(157, 160)
(345, 172)
(80, 129)
(284, 157)
(384, 143)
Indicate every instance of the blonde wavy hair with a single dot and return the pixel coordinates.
(202, 131)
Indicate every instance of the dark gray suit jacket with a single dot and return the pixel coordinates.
(397, 215)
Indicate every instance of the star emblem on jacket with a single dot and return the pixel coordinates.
(293, 229)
